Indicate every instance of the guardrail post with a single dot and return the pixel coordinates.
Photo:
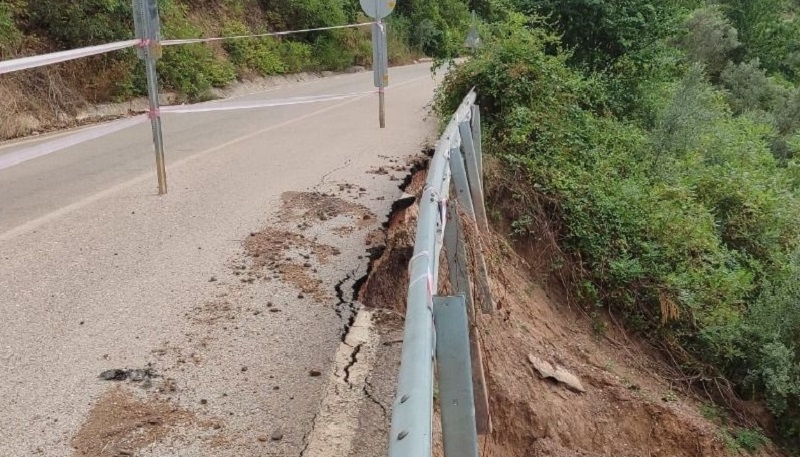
(462, 285)
(457, 257)
(475, 184)
(455, 377)
(477, 139)
(461, 182)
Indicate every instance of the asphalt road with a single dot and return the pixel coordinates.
(97, 272)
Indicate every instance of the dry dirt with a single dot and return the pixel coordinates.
(315, 206)
(387, 284)
(629, 408)
(291, 257)
(120, 424)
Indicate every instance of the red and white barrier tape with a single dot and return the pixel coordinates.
(49, 147)
(24, 63)
(260, 35)
(237, 105)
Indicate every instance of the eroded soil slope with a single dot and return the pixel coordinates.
(630, 407)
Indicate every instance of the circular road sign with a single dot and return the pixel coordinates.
(378, 9)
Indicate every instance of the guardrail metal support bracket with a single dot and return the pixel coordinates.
(461, 182)
(475, 182)
(462, 285)
(455, 377)
(477, 139)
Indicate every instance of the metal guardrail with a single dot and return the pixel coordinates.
(441, 329)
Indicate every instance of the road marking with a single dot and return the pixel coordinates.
(38, 222)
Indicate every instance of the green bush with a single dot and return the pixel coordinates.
(329, 54)
(710, 39)
(296, 56)
(75, 24)
(600, 32)
(305, 14)
(680, 227)
(259, 54)
(750, 440)
(750, 89)
(191, 70)
(769, 31)
(437, 28)
(10, 36)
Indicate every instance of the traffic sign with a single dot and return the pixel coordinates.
(378, 9)
(473, 37)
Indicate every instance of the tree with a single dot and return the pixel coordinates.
(710, 39)
(601, 31)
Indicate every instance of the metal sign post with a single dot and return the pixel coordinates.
(148, 30)
(379, 9)
(380, 63)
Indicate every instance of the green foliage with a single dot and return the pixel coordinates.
(259, 54)
(773, 326)
(437, 27)
(710, 39)
(295, 56)
(90, 22)
(600, 32)
(305, 14)
(770, 31)
(10, 35)
(329, 55)
(750, 440)
(710, 412)
(750, 89)
(399, 36)
(684, 120)
(191, 70)
(681, 224)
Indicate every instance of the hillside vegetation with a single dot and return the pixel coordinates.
(657, 143)
(435, 28)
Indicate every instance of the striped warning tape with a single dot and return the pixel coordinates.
(238, 105)
(48, 147)
(261, 35)
(25, 63)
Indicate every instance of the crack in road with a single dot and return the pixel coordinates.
(368, 394)
(346, 310)
(353, 360)
(341, 167)
(306, 441)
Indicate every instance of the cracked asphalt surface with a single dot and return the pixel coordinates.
(250, 355)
